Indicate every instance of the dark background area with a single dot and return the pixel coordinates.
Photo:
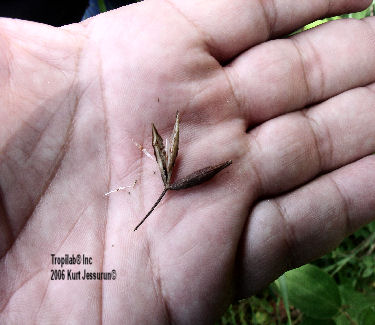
(52, 12)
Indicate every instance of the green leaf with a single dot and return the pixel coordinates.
(313, 291)
(361, 14)
(312, 321)
(367, 272)
(284, 293)
(315, 23)
(371, 226)
(342, 320)
(355, 301)
(102, 6)
(367, 317)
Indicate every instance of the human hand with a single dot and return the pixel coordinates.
(74, 98)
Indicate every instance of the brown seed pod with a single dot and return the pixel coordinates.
(166, 162)
(159, 152)
(173, 151)
(198, 177)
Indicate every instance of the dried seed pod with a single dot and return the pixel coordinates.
(198, 177)
(166, 163)
(159, 151)
(173, 151)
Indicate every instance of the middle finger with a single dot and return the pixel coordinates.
(285, 75)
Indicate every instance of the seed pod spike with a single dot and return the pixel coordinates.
(173, 151)
(159, 151)
(152, 209)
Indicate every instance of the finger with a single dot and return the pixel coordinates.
(285, 75)
(292, 149)
(230, 27)
(298, 227)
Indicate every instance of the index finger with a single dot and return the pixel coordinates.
(230, 27)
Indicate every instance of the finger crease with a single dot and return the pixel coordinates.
(236, 100)
(348, 226)
(270, 22)
(260, 184)
(310, 121)
(308, 96)
(289, 237)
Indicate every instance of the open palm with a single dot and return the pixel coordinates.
(74, 101)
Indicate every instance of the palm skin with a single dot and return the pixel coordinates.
(74, 99)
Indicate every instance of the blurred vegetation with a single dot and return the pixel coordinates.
(338, 288)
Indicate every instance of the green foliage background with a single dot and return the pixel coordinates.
(338, 288)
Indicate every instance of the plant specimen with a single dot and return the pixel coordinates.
(166, 160)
